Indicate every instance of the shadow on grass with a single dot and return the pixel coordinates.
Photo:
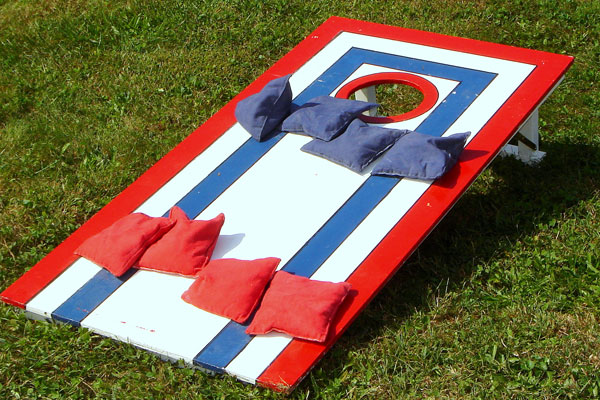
(508, 202)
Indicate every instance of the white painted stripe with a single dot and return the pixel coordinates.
(182, 183)
(262, 347)
(149, 313)
(434, 54)
(71, 279)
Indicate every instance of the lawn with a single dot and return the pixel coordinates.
(501, 301)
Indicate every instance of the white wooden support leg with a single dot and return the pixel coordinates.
(367, 94)
(528, 140)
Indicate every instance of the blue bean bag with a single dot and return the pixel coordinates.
(324, 117)
(421, 156)
(260, 113)
(357, 146)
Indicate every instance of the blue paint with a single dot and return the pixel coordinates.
(225, 346)
(232, 339)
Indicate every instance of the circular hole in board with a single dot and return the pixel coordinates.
(404, 96)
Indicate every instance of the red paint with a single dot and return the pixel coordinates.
(430, 93)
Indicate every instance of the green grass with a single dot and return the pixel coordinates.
(501, 301)
(396, 99)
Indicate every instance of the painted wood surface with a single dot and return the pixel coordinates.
(323, 220)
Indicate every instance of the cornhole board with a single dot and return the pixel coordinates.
(323, 220)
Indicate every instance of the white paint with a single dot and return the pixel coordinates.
(147, 311)
(369, 95)
(281, 201)
(262, 348)
(513, 151)
(199, 168)
(521, 151)
(449, 57)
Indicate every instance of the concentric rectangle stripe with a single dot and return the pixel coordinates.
(97, 289)
(293, 363)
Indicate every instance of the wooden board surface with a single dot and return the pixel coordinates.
(323, 220)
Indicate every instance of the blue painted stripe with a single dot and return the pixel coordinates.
(225, 346)
(88, 297)
(232, 339)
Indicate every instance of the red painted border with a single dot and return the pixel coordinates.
(299, 356)
(297, 359)
(430, 93)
